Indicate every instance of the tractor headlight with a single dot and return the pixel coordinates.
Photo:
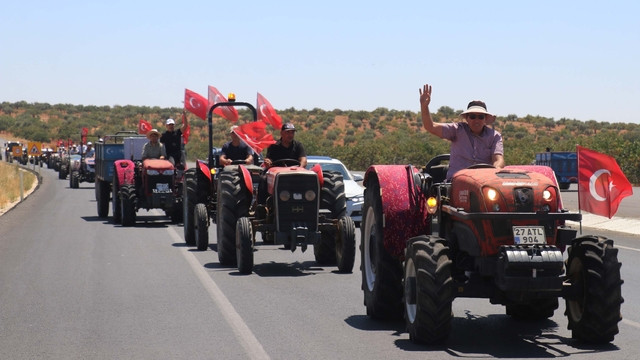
(153, 172)
(492, 194)
(285, 195)
(167, 172)
(546, 195)
(432, 205)
(310, 195)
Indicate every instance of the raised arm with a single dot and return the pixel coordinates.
(427, 122)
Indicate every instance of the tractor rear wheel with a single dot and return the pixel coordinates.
(116, 208)
(128, 205)
(188, 205)
(593, 268)
(74, 179)
(233, 203)
(346, 245)
(201, 226)
(244, 246)
(103, 189)
(332, 198)
(428, 290)
(381, 273)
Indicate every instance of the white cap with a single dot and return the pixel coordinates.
(171, 122)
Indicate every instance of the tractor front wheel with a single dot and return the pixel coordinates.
(128, 205)
(244, 246)
(201, 227)
(346, 244)
(594, 270)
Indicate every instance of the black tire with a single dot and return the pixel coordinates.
(201, 226)
(428, 290)
(116, 208)
(593, 267)
(539, 309)
(244, 245)
(62, 174)
(188, 206)
(128, 205)
(346, 245)
(381, 273)
(103, 190)
(233, 203)
(74, 179)
(332, 198)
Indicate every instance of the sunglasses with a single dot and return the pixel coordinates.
(474, 116)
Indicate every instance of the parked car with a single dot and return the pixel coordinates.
(353, 191)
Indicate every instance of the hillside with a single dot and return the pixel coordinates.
(358, 138)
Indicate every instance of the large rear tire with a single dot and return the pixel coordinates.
(593, 268)
(103, 190)
(381, 273)
(428, 290)
(128, 205)
(233, 203)
(188, 206)
(116, 208)
(346, 245)
(201, 226)
(244, 246)
(332, 198)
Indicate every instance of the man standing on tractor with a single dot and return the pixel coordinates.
(172, 140)
(235, 149)
(153, 149)
(472, 142)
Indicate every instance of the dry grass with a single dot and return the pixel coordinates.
(10, 183)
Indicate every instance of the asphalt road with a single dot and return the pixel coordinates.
(73, 286)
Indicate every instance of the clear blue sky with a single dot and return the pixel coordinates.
(574, 59)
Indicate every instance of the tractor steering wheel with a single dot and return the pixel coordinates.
(286, 162)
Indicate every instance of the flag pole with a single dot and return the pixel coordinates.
(579, 205)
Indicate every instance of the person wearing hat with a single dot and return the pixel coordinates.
(154, 149)
(286, 148)
(235, 149)
(472, 141)
(89, 151)
(172, 139)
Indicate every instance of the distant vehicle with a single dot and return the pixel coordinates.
(563, 163)
(353, 191)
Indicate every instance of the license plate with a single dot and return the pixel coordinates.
(529, 235)
(162, 188)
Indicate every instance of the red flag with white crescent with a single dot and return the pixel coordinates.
(144, 127)
(601, 183)
(195, 104)
(228, 112)
(255, 135)
(267, 114)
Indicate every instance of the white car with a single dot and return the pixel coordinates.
(353, 191)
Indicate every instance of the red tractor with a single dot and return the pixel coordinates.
(303, 207)
(500, 236)
(148, 184)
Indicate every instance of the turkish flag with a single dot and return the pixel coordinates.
(187, 130)
(601, 183)
(143, 127)
(228, 112)
(267, 114)
(84, 134)
(255, 135)
(195, 103)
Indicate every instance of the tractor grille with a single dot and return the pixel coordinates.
(523, 199)
(297, 210)
(159, 184)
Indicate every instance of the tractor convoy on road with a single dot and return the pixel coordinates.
(496, 234)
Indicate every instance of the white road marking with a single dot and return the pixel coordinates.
(627, 248)
(244, 335)
(631, 323)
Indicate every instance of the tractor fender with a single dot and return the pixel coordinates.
(204, 169)
(246, 178)
(125, 170)
(404, 210)
(317, 168)
(464, 239)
